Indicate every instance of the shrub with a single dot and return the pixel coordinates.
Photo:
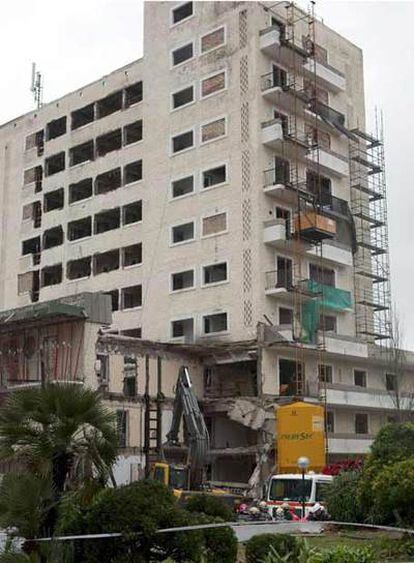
(220, 543)
(394, 442)
(259, 547)
(306, 554)
(347, 554)
(210, 505)
(341, 497)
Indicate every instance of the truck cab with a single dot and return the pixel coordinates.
(173, 476)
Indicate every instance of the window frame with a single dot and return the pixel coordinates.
(193, 101)
(291, 309)
(122, 297)
(212, 167)
(182, 151)
(220, 332)
(178, 319)
(206, 216)
(214, 284)
(366, 378)
(177, 48)
(187, 241)
(332, 373)
(190, 288)
(224, 26)
(355, 424)
(211, 75)
(183, 177)
(187, 18)
(208, 122)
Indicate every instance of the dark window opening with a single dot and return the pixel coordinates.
(53, 237)
(319, 274)
(132, 213)
(37, 214)
(131, 297)
(34, 175)
(133, 132)
(281, 171)
(114, 294)
(133, 94)
(108, 181)
(55, 164)
(183, 186)
(215, 323)
(360, 378)
(285, 316)
(183, 97)
(35, 140)
(82, 116)
(279, 76)
(56, 128)
(214, 176)
(183, 141)
(180, 233)
(183, 328)
(284, 121)
(215, 273)
(182, 12)
(80, 268)
(325, 373)
(327, 323)
(109, 142)
(291, 378)
(130, 381)
(132, 255)
(182, 280)
(122, 427)
(106, 262)
(330, 422)
(133, 332)
(53, 200)
(183, 54)
(391, 382)
(107, 220)
(79, 229)
(361, 423)
(284, 272)
(52, 275)
(133, 172)
(109, 104)
(81, 153)
(80, 190)
(320, 187)
(31, 246)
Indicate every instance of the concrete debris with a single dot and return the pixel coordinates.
(247, 413)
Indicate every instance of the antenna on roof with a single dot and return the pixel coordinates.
(36, 86)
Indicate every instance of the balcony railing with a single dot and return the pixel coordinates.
(279, 279)
(330, 297)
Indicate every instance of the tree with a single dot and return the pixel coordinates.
(342, 500)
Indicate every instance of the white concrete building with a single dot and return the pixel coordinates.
(223, 180)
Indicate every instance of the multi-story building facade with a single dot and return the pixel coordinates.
(222, 183)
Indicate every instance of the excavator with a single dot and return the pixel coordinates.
(188, 478)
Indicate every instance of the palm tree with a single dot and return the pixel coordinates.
(60, 431)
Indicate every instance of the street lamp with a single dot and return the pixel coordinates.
(303, 464)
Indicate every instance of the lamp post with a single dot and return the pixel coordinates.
(303, 464)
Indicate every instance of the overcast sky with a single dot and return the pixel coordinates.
(76, 42)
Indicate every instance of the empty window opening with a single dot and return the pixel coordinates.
(35, 140)
(213, 130)
(56, 128)
(215, 323)
(53, 237)
(114, 295)
(319, 186)
(33, 212)
(182, 280)
(361, 423)
(285, 316)
(108, 181)
(181, 233)
(212, 40)
(29, 283)
(107, 220)
(132, 255)
(360, 378)
(213, 84)
(183, 97)
(130, 376)
(182, 141)
(133, 332)
(83, 116)
(182, 12)
(284, 272)
(183, 328)
(109, 142)
(53, 200)
(79, 229)
(106, 262)
(214, 224)
(291, 378)
(279, 76)
(80, 190)
(131, 297)
(214, 176)
(391, 382)
(327, 323)
(33, 175)
(319, 274)
(182, 186)
(55, 164)
(77, 269)
(133, 132)
(81, 153)
(109, 104)
(215, 273)
(330, 422)
(182, 54)
(132, 213)
(52, 275)
(133, 172)
(122, 427)
(281, 173)
(31, 246)
(133, 94)
(325, 373)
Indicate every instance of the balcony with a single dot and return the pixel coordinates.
(270, 40)
(329, 161)
(275, 233)
(331, 298)
(345, 444)
(272, 133)
(278, 87)
(326, 75)
(334, 253)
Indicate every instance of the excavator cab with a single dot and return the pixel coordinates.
(173, 476)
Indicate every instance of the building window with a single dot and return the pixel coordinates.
(213, 40)
(56, 128)
(133, 172)
(31, 246)
(214, 176)
(182, 280)
(214, 224)
(109, 142)
(132, 255)
(182, 233)
(52, 237)
(130, 376)
(131, 297)
(182, 54)
(79, 229)
(325, 373)
(106, 262)
(213, 84)
(327, 323)
(182, 187)
(132, 213)
(114, 295)
(107, 220)
(182, 12)
(103, 360)
(214, 323)
(391, 382)
(122, 427)
(285, 316)
(182, 141)
(183, 97)
(108, 105)
(83, 116)
(81, 153)
(133, 132)
(361, 423)
(133, 94)
(81, 190)
(53, 200)
(32, 175)
(35, 140)
(291, 378)
(324, 276)
(360, 378)
(77, 269)
(55, 164)
(183, 328)
(213, 130)
(133, 332)
(108, 181)
(215, 273)
(52, 275)
(330, 422)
